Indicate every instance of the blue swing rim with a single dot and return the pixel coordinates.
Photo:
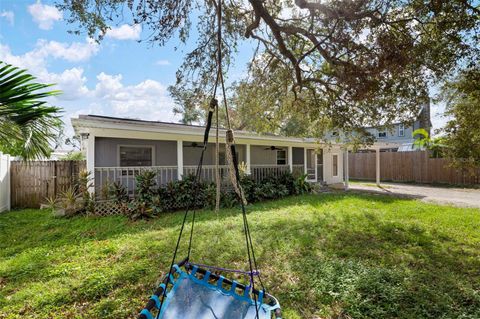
(191, 271)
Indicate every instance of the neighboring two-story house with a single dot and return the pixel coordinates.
(399, 135)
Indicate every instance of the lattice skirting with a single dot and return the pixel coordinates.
(109, 207)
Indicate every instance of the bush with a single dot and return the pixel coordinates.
(118, 192)
(301, 186)
(146, 204)
(151, 200)
(74, 200)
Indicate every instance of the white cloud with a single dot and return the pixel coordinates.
(9, 16)
(35, 61)
(106, 95)
(146, 100)
(73, 52)
(44, 15)
(71, 81)
(162, 62)
(108, 85)
(125, 32)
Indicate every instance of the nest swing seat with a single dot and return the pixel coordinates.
(197, 293)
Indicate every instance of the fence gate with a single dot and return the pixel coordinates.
(32, 182)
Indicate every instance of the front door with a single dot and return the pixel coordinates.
(311, 165)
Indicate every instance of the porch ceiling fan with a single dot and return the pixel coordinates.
(194, 144)
(273, 148)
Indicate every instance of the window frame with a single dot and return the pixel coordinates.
(152, 147)
(401, 128)
(285, 158)
(335, 165)
(382, 132)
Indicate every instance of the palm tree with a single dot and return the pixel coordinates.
(424, 141)
(28, 125)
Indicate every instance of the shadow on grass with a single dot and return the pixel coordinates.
(367, 267)
(328, 255)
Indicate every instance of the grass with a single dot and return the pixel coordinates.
(327, 256)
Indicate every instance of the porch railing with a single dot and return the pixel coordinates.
(105, 176)
(260, 172)
(208, 172)
(126, 176)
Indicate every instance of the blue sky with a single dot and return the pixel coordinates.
(118, 77)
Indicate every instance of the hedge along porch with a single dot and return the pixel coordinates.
(117, 149)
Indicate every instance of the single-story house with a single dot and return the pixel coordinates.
(117, 148)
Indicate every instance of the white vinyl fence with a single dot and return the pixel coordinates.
(4, 182)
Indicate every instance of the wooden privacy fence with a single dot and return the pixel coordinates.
(415, 167)
(32, 182)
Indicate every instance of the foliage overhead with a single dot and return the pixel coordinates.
(344, 63)
(462, 132)
(28, 125)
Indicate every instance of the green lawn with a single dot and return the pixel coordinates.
(327, 256)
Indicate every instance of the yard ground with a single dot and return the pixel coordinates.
(323, 256)
(463, 197)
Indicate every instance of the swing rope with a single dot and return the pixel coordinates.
(234, 176)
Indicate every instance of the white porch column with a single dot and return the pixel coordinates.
(247, 155)
(290, 158)
(346, 170)
(179, 159)
(305, 160)
(90, 156)
(377, 166)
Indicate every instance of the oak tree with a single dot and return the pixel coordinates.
(338, 63)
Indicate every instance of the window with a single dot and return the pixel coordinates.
(335, 165)
(382, 134)
(281, 157)
(401, 130)
(135, 156)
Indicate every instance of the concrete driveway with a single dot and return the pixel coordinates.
(463, 197)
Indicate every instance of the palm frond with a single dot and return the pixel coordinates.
(28, 125)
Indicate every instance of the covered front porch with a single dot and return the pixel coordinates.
(118, 149)
(120, 160)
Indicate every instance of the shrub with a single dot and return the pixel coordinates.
(228, 199)
(118, 192)
(145, 184)
(301, 185)
(146, 204)
(249, 188)
(151, 200)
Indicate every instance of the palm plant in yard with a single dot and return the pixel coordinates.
(28, 125)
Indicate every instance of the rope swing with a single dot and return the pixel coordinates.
(197, 291)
